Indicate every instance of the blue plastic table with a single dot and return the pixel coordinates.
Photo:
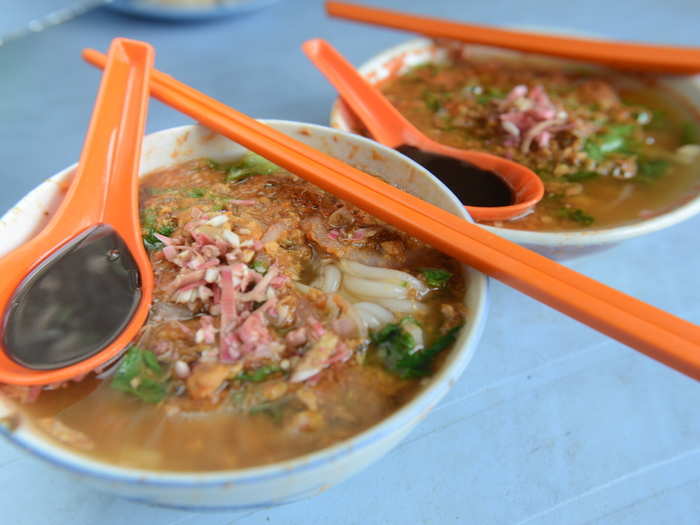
(551, 424)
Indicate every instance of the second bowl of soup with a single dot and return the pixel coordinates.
(618, 154)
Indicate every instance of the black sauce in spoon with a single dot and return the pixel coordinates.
(73, 304)
(473, 186)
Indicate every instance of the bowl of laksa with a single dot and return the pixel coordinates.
(619, 154)
(293, 338)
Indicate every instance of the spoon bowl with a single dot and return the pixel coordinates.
(392, 129)
(77, 293)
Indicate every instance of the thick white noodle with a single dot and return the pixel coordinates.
(331, 277)
(367, 288)
(356, 316)
(376, 273)
(370, 320)
(380, 313)
(403, 306)
(302, 287)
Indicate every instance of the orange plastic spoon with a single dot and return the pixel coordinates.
(392, 129)
(656, 333)
(621, 55)
(88, 266)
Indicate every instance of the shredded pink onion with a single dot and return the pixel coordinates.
(185, 278)
(259, 293)
(529, 116)
(167, 241)
(229, 316)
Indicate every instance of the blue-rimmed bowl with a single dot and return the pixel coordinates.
(184, 13)
(286, 481)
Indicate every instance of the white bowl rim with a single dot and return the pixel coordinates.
(554, 239)
(416, 408)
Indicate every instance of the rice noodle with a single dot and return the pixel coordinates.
(384, 274)
(403, 306)
(331, 277)
(367, 288)
(352, 314)
(378, 312)
(303, 287)
(367, 318)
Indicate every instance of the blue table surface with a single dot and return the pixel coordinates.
(552, 423)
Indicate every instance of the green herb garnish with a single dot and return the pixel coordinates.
(593, 150)
(150, 226)
(394, 346)
(150, 240)
(690, 134)
(580, 176)
(617, 139)
(553, 196)
(659, 120)
(577, 215)
(259, 266)
(435, 277)
(140, 374)
(250, 164)
(649, 170)
(197, 193)
(489, 95)
(259, 374)
(272, 409)
(432, 100)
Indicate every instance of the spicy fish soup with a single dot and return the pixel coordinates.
(611, 149)
(284, 320)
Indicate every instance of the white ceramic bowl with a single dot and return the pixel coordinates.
(558, 245)
(281, 482)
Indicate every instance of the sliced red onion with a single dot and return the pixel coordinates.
(162, 238)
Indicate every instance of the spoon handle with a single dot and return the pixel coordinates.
(659, 334)
(392, 129)
(621, 55)
(386, 124)
(107, 173)
(108, 166)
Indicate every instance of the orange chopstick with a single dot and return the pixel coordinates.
(621, 55)
(650, 330)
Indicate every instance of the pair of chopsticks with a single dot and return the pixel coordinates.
(620, 55)
(650, 330)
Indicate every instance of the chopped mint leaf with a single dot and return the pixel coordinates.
(250, 164)
(140, 374)
(436, 277)
(259, 374)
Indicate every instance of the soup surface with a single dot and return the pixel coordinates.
(283, 321)
(610, 149)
